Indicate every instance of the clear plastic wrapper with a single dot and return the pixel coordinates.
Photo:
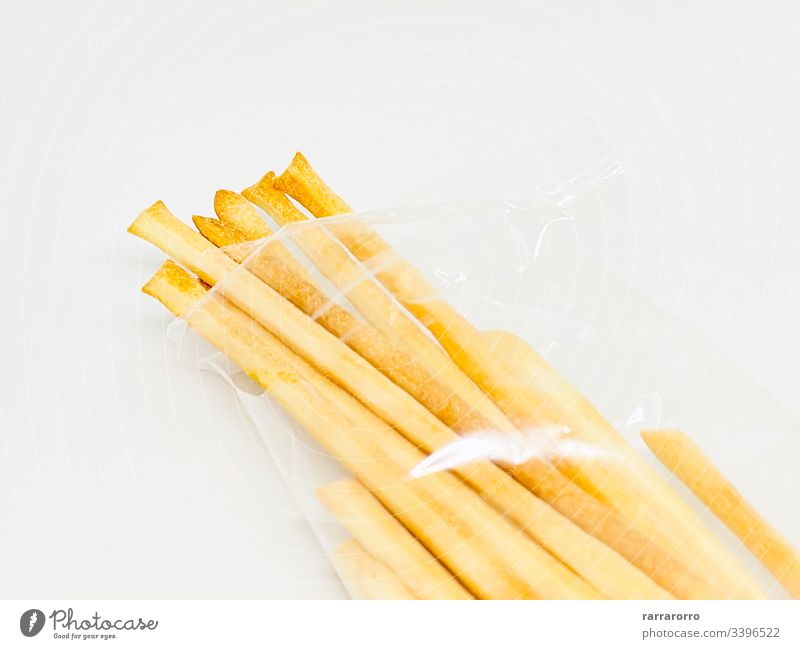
(458, 405)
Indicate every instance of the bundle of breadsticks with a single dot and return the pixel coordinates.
(394, 373)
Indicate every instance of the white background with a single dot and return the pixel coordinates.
(126, 473)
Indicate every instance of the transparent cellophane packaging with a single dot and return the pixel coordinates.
(531, 273)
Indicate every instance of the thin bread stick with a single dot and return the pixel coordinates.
(366, 575)
(683, 458)
(479, 546)
(609, 572)
(302, 183)
(385, 538)
(538, 395)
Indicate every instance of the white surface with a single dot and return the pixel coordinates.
(123, 471)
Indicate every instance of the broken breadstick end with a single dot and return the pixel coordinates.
(220, 233)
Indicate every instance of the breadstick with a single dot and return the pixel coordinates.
(537, 395)
(480, 547)
(687, 462)
(235, 210)
(603, 568)
(367, 576)
(388, 541)
(302, 183)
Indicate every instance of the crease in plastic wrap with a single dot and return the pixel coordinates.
(500, 477)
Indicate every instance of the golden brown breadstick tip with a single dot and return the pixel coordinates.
(237, 211)
(174, 288)
(218, 232)
(690, 465)
(302, 183)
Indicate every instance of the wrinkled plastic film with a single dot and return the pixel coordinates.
(517, 275)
